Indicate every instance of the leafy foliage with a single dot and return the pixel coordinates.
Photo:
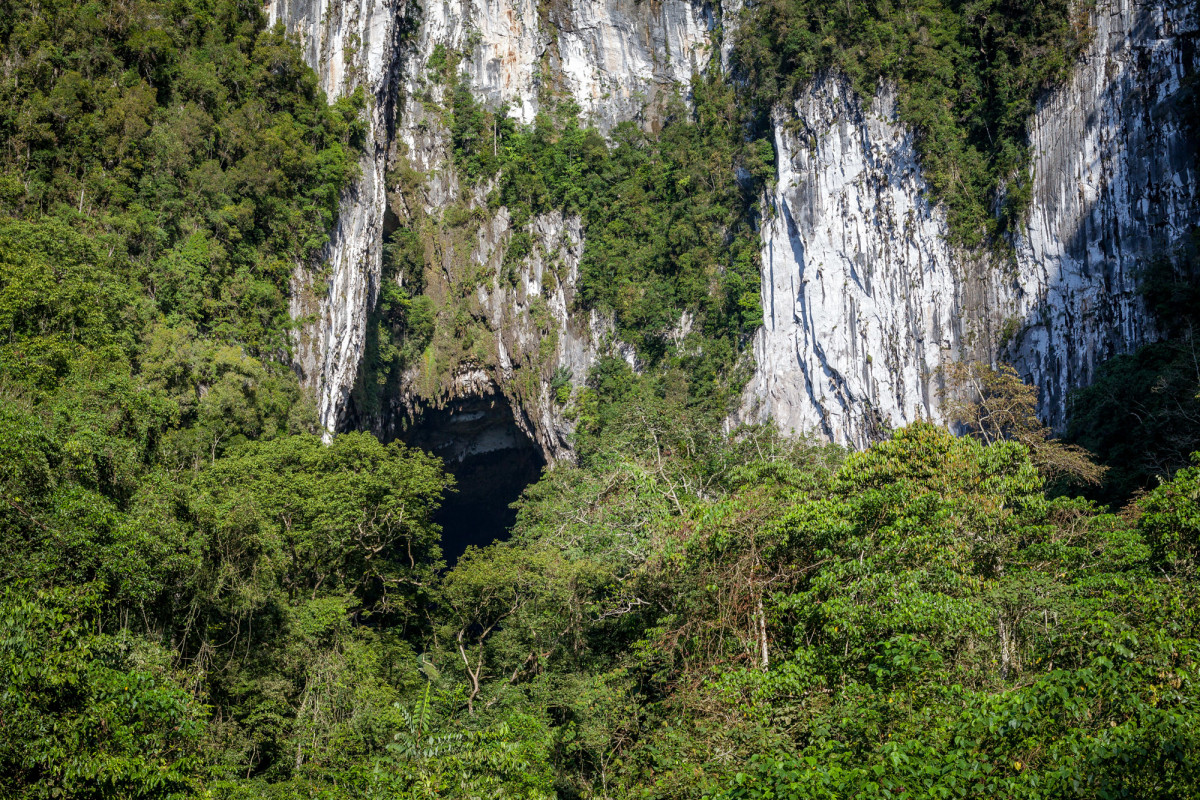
(695, 615)
(193, 146)
(995, 404)
(198, 592)
(968, 75)
(80, 716)
(669, 228)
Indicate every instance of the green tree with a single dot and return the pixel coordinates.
(84, 714)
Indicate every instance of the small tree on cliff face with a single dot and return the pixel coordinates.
(995, 404)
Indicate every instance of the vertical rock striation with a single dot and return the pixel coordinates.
(618, 59)
(351, 44)
(860, 290)
(863, 297)
(1114, 186)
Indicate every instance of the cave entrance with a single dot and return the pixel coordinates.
(492, 461)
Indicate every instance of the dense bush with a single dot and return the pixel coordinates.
(191, 145)
(752, 618)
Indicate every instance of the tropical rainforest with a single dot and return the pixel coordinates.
(199, 597)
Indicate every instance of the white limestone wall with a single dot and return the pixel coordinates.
(351, 43)
(619, 55)
(860, 297)
(864, 299)
(1114, 186)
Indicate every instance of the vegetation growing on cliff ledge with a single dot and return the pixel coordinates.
(668, 228)
(671, 250)
(968, 77)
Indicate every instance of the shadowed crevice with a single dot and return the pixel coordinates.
(492, 461)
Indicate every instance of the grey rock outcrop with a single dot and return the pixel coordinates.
(618, 59)
(351, 44)
(864, 299)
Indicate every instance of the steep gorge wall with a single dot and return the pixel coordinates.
(864, 299)
(351, 44)
(862, 295)
(617, 59)
(1114, 186)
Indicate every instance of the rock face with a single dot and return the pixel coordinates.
(616, 58)
(613, 57)
(1115, 186)
(864, 299)
(860, 291)
(351, 44)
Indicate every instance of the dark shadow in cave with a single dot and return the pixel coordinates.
(492, 461)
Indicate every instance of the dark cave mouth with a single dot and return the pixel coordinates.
(492, 461)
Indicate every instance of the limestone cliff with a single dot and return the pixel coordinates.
(617, 59)
(1114, 186)
(863, 297)
(351, 44)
